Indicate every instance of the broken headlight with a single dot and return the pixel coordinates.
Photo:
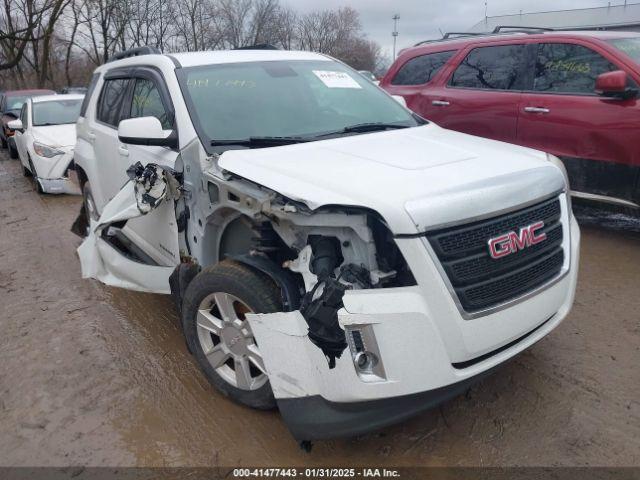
(46, 151)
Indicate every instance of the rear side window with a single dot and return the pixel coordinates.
(111, 98)
(422, 69)
(567, 68)
(87, 97)
(147, 102)
(492, 68)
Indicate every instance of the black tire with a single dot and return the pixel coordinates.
(3, 142)
(256, 291)
(34, 174)
(13, 151)
(89, 203)
(26, 172)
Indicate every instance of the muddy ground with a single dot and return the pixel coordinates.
(91, 375)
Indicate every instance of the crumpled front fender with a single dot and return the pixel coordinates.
(103, 262)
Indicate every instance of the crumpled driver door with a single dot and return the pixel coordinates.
(140, 259)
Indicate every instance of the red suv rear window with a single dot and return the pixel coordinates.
(421, 69)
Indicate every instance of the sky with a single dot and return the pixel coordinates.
(421, 19)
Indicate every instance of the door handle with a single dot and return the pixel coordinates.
(123, 151)
(536, 110)
(440, 103)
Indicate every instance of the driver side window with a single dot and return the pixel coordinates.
(568, 68)
(147, 102)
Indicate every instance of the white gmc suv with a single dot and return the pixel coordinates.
(331, 252)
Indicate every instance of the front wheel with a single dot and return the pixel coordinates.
(13, 151)
(34, 174)
(220, 337)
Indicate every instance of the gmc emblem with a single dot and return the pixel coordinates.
(513, 242)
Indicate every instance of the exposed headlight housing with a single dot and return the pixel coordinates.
(43, 150)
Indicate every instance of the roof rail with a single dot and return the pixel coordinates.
(451, 36)
(135, 52)
(460, 34)
(259, 46)
(521, 29)
(499, 30)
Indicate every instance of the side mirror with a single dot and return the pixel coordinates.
(400, 99)
(615, 85)
(146, 131)
(15, 125)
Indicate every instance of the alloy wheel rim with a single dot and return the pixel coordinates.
(227, 341)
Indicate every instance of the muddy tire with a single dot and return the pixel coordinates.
(13, 152)
(3, 142)
(34, 174)
(218, 335)
(26, 172)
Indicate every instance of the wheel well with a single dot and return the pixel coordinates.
(236, 237)
(82, 176)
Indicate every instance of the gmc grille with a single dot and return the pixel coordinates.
(481, 282)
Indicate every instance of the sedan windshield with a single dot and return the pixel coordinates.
(255, 104)
(630, 46)
(56, 112)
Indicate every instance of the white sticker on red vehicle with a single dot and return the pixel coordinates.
(336, 79)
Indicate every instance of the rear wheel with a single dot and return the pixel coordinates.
(220, 337)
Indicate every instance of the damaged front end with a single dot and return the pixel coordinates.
(327, 263)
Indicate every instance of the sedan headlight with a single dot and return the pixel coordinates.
(45, 150)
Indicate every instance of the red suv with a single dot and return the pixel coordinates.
(573, 94)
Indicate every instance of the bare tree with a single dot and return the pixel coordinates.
(54, 11)
(19, 19)
(46, 42)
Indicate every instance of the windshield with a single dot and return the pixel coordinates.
(630, 46)
(15, 102)
(302, 99)
(56, 112)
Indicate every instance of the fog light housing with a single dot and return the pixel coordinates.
(365, 353)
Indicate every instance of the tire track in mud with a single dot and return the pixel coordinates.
(92, 375)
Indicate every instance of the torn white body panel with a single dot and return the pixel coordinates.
(102, 261)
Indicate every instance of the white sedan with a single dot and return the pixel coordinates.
(45, 137)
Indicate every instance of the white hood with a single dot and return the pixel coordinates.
(415, 178)
(56, 135)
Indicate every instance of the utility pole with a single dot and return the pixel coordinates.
(394, 34)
